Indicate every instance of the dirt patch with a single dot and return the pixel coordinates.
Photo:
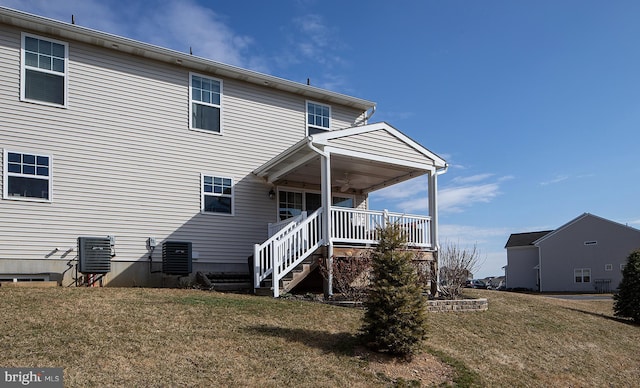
(424, 368)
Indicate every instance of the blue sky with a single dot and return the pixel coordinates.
(534, 104)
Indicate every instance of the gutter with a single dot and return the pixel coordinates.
(314, 148)
(442, 170)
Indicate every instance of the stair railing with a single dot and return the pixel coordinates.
(283, 251)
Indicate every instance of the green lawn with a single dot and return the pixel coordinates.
(167, 337)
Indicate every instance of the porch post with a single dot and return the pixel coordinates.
(325, 183)
(433, 213)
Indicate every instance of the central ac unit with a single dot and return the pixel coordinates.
(94, 255)
(176, 257)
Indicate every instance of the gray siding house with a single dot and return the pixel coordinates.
(109, 138)
(586, 254)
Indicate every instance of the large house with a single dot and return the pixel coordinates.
(126, 163)
(587, 254)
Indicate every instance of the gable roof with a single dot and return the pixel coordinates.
(578, 219)
(525, 239)
(369, 167)
(67, 31)
(324, 138)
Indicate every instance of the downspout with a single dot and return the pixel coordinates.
(326, 219)
(442, 170)
(314, 148)
(368, 116)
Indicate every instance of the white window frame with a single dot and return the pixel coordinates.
(6, 175)
(608, 267)
(24, 67)
(334, 194)
(582, 272)
(203, 194)
(219, 106)
(306, 117)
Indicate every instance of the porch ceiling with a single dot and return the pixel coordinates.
(348, 174)
(354, 169)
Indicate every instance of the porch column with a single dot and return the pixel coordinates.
(433, 208)
(325, 177)
(433, 213)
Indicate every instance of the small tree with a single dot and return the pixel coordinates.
(456, 265)
(627, 299)
(395, 316)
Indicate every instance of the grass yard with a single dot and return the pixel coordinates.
(167, 337)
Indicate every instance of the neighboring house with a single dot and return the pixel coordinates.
(586, 254)
(523, 259)
(167, 163)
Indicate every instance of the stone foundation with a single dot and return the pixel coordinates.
(463, 305)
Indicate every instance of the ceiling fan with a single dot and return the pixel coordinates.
(345, 183)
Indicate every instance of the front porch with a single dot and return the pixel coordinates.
(341, 167)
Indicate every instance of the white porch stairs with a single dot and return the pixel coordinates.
(295, 245)
(293, 278)
(289, 255)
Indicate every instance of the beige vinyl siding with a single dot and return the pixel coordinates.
(126, 164)
(380, 143)
(344, 117)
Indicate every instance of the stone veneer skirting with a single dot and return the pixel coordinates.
(463, 305)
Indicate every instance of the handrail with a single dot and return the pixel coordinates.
(275, 227)
(286, 249)
(297, 240)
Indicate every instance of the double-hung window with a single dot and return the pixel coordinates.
(27, 176)
(44, 70)
(217, 194)
(582, 275)
(318, 118)
(205, 103)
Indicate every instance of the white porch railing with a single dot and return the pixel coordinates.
(287, 248)
(275, 227)
(362, 226)
(294, 240)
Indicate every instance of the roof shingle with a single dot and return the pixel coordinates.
(525, 239)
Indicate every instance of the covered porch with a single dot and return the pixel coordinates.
(322, 185)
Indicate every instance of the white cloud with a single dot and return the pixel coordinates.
(472, 178)
(174, 24)
(186, 24)
(466, 235)
(412, 188)
(557, 179)
(455, 199)
(412, 196)
(486, 240)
